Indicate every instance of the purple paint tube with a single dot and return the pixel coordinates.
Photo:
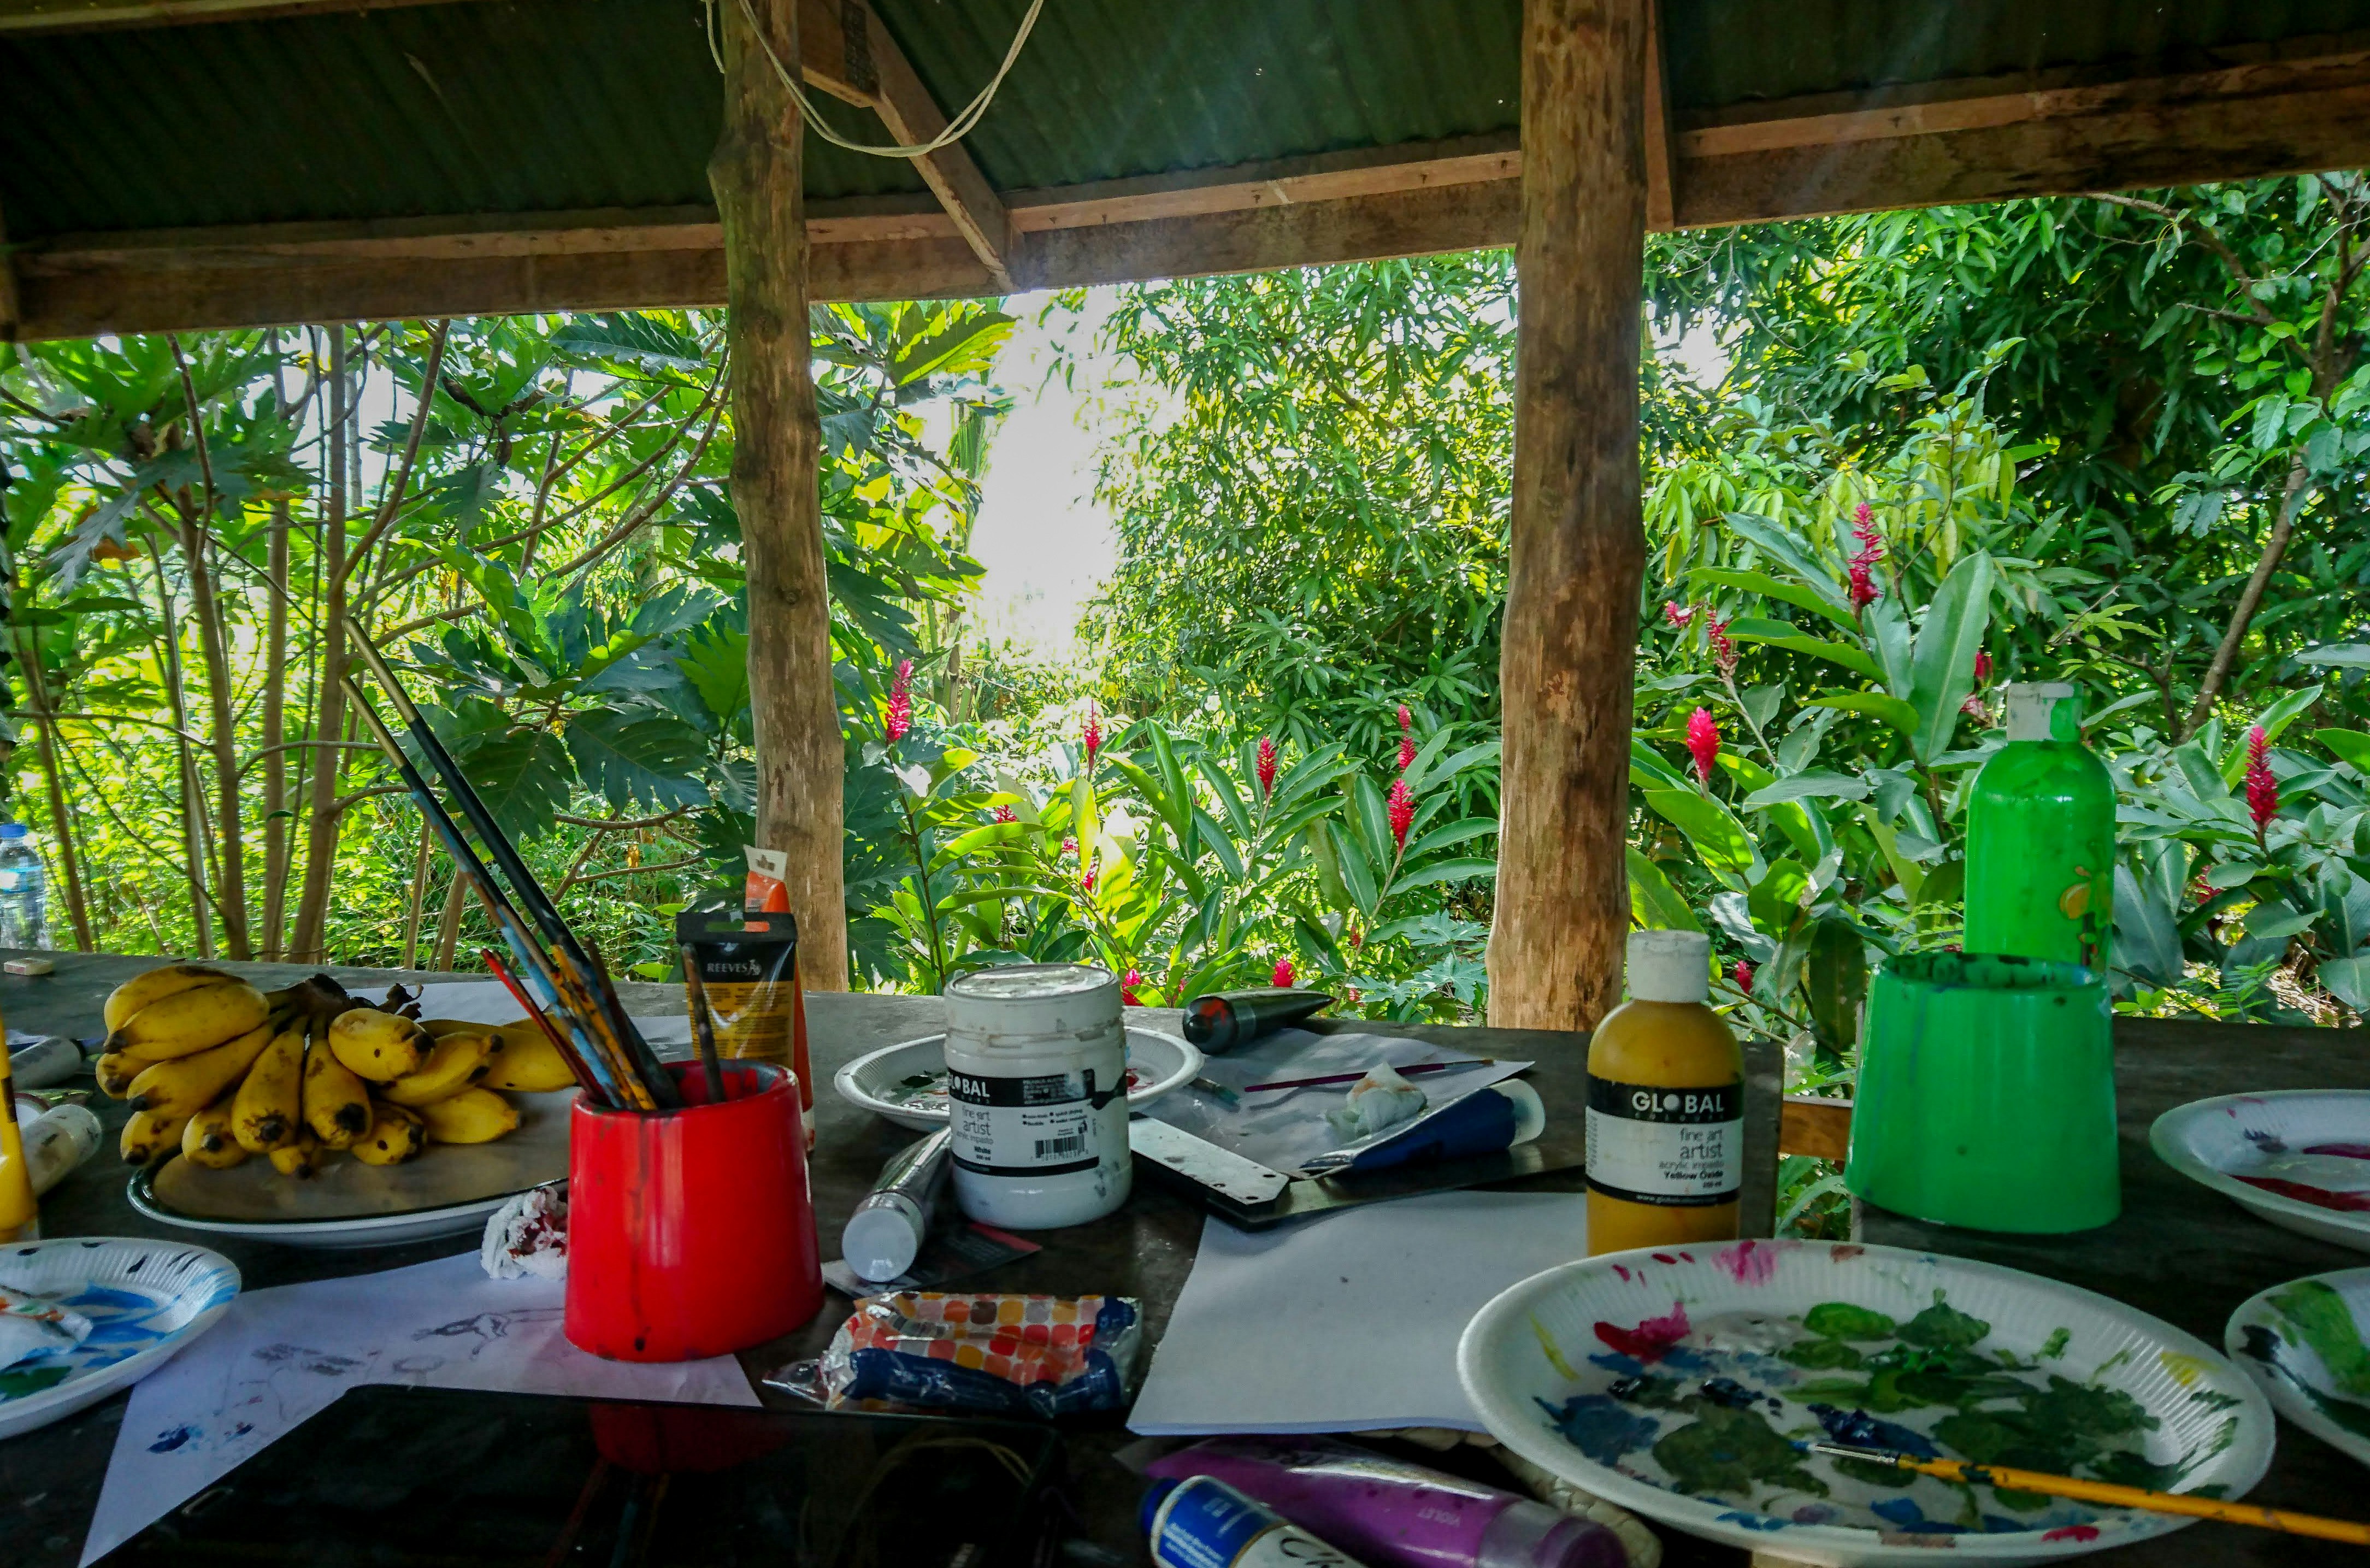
(1391, 1515)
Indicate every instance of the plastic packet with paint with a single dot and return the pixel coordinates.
(34, 1327)
(988, 1354)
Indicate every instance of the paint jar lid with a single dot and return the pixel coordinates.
(1670, 966)
(2031, 706)
(1031, 1007)
(1030, 982)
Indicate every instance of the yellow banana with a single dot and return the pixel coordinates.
(475, 1115)
(206, 1140)
(396, 1136)
(527, 1061)
(337, 1103)
(380, 1046)
(300, 1158)
(438, 1028)
(189, 1022)
(454, 1063)
(156, 985)
(266, 1112)
(187, 1085)
(151, 1138)
(117, 1073)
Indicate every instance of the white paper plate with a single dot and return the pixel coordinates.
(907, 1082)
(448, 1191)
(145, 1300)
(2302, 1342)
(1543, 1359)
(2216, 1142)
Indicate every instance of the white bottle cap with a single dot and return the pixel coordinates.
(2028, 706)
(1670, 966)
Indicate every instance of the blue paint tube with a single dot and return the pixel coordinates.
(1203, 1523)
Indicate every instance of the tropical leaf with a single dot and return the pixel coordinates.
(652, 761)
(1943, 675)
(1726, 849)
(525, 777)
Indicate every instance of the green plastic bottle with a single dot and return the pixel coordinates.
(2040, 837)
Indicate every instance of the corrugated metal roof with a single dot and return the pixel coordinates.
(525, 105)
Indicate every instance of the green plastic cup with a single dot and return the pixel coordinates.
(1987, 1095)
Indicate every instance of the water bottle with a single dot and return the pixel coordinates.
(2040, 837)
(24, 921)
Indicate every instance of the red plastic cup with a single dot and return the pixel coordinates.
(691, 1233)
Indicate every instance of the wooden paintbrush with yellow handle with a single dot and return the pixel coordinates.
(2107, 1493)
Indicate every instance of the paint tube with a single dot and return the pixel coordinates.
(1203, 1523)
(1220, 1020)
(1394, 1514)
(767, 889)
(749, 967)
(885, 1234)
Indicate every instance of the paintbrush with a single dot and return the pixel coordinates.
(576, 1064)
(703, 1026)
(2105, 1492)
(1353, 1077)
(534, 967)
(607, 1015)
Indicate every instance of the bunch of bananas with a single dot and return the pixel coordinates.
(220, 1071)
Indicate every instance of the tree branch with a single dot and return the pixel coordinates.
(394, 501)
(2251, 598)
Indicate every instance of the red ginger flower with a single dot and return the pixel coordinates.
(1283, 975)
(900, 701)
(1069, 846)
(1983, 666)
(1745, 975)
(1266, 766)
(1678, 615)
(1087, 878)
(1094, 733)
(1006, 814)
(1723, 651)
(1127, 989)
(1407, 738)
(1859, 569)
(1402, 811)
(1703, 742)
(1407, 754)
(2263, 789)
(1407, 721)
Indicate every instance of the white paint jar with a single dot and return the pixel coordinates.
(1036, 1089)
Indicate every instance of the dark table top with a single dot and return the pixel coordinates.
(2179, 1252)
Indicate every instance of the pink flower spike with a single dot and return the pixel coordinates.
(1402, 811)
(1283, 975)
(1678, 615)
(1723, 651)
(1973, 708)
(1859, 569)
(1127, 996)
(2263, 789)
(1407, 754)
(1087, 879)
(1983, 666)
(1703, 743)
(1266, 766)
(1069, 846)
(1863, 514)
(1745, 975)
(1094, 733)
(900, 701)
(1006, 814)
(1406, 723)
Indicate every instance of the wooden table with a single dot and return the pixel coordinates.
(2179, 1252)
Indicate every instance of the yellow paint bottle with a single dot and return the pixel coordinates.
(20, 1220)
(1665, 1105)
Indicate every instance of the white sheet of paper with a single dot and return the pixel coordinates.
(279, 1355)
(1348, 1322)
(489, 1001)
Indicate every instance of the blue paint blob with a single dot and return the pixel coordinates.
(167, 1441)
(1859, 1429)
(1601, 1427)
(1753, 1521)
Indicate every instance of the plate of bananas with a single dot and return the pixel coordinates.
(311, 1118)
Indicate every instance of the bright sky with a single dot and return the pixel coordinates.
(1046, 543)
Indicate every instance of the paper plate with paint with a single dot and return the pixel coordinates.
(2304, 1343)
(1677, 1384)
(139, 1301)
(2299, 1158)
(907, 1082)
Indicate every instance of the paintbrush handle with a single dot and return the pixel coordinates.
(703, 1026)
(501, 972)
(2113, 1496)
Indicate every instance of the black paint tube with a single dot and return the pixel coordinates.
(748, 964)
(1223, 1019)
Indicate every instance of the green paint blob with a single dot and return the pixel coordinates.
(1944, 1327)
(1821, 1355)
(32, 1380)
(1840, 1320)
(1729, 1452)
(2054, 1345)
(2320, 1318)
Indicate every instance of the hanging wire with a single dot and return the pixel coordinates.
(957, 128)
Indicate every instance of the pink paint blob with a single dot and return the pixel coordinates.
(1750, 1262)
(2350, 1150)
(1652, 1339)
(2321, 1197)
(2072, 1532)
(1623, 1270)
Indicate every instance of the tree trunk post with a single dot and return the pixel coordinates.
(1578, 552)
(757, 172)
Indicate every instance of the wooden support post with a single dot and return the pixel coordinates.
(756, 173)
(1578, 552)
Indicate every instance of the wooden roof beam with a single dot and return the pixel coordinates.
(914, 117)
